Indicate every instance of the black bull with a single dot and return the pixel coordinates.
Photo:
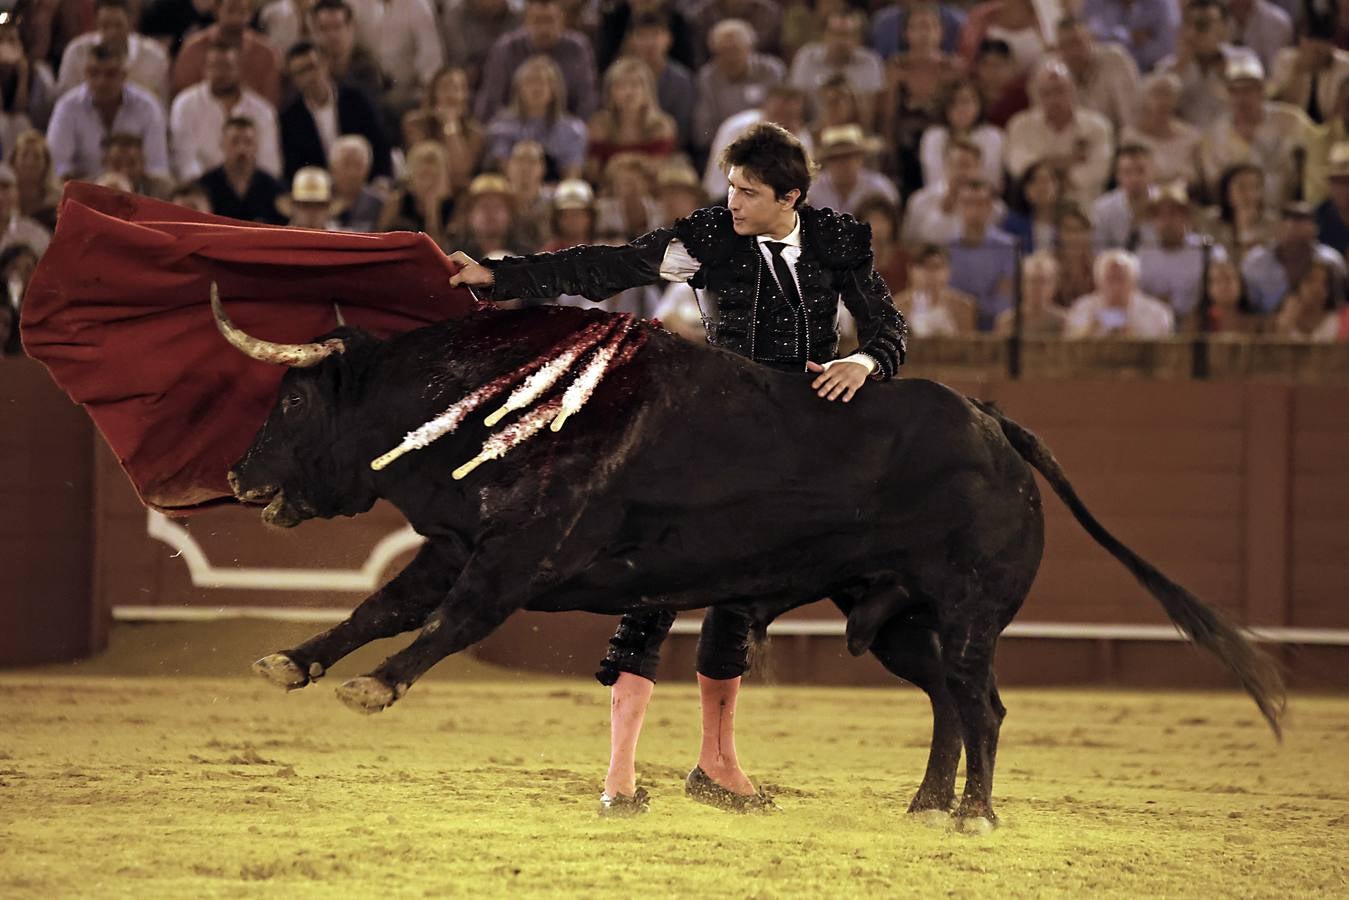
(693, 477)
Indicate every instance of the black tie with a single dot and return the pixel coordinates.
(789, 291)
(1313, 102)
(784, 273)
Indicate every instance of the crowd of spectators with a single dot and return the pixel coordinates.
(1106, 167)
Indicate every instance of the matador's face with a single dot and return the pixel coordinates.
(755, 208)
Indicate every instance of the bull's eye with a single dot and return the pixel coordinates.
(292, 402)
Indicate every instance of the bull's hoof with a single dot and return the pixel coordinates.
(368, 695)
(932, 818)
(281, 671)
(976, 826)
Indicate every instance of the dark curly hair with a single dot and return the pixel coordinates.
(773, 155)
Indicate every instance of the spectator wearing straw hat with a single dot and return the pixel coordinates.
(845, 180)
(1268, 134)
(1173, 266)
(310, 201)
(487, 227)
(573, 215)
(678, 189)
(1332, 215)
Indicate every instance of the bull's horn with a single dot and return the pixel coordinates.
(301, 356)
(337, 311)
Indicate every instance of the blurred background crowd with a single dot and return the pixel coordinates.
(1081, 168)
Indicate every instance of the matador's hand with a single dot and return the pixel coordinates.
(840, 379)
(471, 274)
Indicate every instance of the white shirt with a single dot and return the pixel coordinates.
(325, 119)
(679, 265)
(1030, 137)
(403, 36)
(1144, 317)
(197, 121)
(147, 64)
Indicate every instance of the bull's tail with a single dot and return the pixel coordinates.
(1258, 672)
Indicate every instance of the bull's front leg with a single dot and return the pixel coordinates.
(495, 582)
(400, 606)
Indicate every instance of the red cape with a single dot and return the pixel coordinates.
(119, 312)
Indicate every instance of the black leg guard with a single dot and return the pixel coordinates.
(723, 643)
(635, 646)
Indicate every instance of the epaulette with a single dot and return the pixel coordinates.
(708, 234)
(839, 240)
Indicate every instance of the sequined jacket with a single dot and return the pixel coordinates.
(753, 318)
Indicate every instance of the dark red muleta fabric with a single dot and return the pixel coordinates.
(119, 312)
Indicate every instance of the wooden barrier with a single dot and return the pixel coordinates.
(1237, 488)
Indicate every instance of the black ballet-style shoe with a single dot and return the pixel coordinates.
(699, 786)
(621, 806)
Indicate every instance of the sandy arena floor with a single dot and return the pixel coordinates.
(157, 771)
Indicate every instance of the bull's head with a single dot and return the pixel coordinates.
(297, 465)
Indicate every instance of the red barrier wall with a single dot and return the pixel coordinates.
(1239, 491)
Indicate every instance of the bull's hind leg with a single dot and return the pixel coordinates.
(967, 654)
(401, 605)
(911, 651)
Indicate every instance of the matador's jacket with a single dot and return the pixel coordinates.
(753, 319)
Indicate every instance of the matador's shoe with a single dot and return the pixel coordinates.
(700, 786)
(621, 806)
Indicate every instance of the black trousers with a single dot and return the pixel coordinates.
(723, 644)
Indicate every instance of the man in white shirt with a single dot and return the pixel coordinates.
(1173, 269)
(1078, 142)
(734, 80)
(147, 62)
(1121, 216)
(932, 216)
(1201, 60)
(1262, 26)
(1105, 74)
(1117, 308)
(840, 52)
(405, 39)
(105, 104)
(1254, 130)
(199, 113)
